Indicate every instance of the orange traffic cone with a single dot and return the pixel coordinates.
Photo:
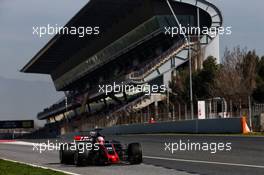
(245, 128)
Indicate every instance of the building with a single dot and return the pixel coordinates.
(129, 43)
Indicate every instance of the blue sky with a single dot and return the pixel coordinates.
(18, 45)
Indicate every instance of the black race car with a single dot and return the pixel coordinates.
(86, 150)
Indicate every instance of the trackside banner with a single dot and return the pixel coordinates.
(14, 124)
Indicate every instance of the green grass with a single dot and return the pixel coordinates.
(255, 134)
(11, 168)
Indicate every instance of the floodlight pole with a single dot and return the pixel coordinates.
(188, 41)
(66, 103)
(190, 71)
(250, 112)
(66, 106)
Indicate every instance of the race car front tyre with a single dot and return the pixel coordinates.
(135, 153)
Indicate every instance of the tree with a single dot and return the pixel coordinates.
(236, 78)
(258, 93)
(179, 85)
(203, 80)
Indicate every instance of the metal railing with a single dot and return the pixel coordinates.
(146, 69)
(132, 103)
(257, 109)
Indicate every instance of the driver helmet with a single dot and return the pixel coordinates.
(100, 140)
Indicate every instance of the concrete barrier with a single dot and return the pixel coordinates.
(210, 126)
(207, 126)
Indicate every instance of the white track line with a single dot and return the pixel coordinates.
(205, 162)
(38, 166)
(203, 135)
(18, 143)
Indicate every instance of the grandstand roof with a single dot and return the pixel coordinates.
(103, 13)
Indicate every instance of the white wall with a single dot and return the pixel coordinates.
(212, 49)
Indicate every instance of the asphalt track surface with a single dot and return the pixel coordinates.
(245, 158)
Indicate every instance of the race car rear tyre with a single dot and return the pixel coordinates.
(134, 153)
(66, 156)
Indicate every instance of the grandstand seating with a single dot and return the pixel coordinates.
(138, 52)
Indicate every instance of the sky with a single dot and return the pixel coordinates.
(18, 45)
(17, 42)
(246, 17)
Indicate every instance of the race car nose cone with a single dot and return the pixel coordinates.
(114, 159)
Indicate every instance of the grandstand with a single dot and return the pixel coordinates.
(131, 49)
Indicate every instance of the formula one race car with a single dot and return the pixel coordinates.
(94, 150)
